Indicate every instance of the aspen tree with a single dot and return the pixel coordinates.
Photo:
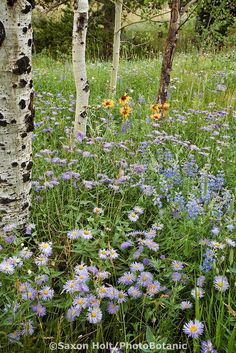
(16, 111)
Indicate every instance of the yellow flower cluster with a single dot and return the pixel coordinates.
(159, 110)
(125, 110)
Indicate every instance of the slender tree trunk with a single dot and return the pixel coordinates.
(80, 25)
(116, 46)
(16, 111)
(169, 51)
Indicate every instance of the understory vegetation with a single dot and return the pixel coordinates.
(132, 234)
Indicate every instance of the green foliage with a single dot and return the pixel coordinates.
(214, 20)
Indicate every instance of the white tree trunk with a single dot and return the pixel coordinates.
(80, 25)
(116, 46)
(16, 111)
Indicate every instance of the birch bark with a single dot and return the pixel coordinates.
(16, 111)
(116, 46)
(169, 51)
(80, 25)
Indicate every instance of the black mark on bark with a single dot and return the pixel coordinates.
(3, 123)
(29, 165)
(29, 42)
(32, 3)
(82, 20)
(22, 66)
(25, 206)
(24, 135)
(11, 2)
(86, 87)
(14, 164)
(23, 83)
(5, 200)
(25, 29)
(13, 121)
(1, 116)
(22, 104)
(27, 9)
(83, 114)
(26, 177)
(29, 122)
(23, 165)
(2, 33)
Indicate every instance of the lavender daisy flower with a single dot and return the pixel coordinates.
(39, 309)
(94, 315)
(112, 293)
(40, 279)
(151, 244)
(176, 276)
(197, 293)
(46, 293)
(207, 347)
(221, 283)
(29, 294)
(158, 226)
(153, 288)
(133, 217)
(14, 336)
(72, 313)
(46, 248)
(200, 281)
(71, 286)
(73, 234)
(5, 267)
(103, 254)
(134, 292)
(29, 228)
(25, 253)
(85, 234)
(186, 305)
(112, 308)
(80, 302)
(230, 227)
(127, 278)
(230, 242)
(150, 234)
(194, 328)
(27, 328)
(136, 266)
(138, 210)
(145, 279)
(41, 260)
(177, 265)
(113, 254)
(121, 298)
(102, 292)
(126, 245)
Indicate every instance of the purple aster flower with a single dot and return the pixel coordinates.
(200, 281)
(41, 260)
(153, 288)
(29, 228)
(133, 217)
(72, 313)
(127, 278)
(27, 328)
(103, 254)
(138, 210)
(85, 234)
(151, 244)
(197, 293)
(112, 293)
(221, 283)
(112, 308)
(80, 302)
(102, 292)
(29, 294)
(121, 298)
(134, 292)
(215, 231)
(94, 315)
(230, 227)
(25, 253)
(73, 234)
(126, 245)
(145, 279)
(113, 254)
(194, 328)
(46, 293)
(46, 248)
(71, 286)
(177, 265)
(207, 347)
(40, 279)
(39, 309)
(186, 305)
(14, 336)
(136, 266)
(5, 267)
(176, 276)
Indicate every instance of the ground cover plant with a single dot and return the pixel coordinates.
(132, 236)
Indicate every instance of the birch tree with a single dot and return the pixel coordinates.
(116, 46)
(80, 25)
(169, 51)
(16, 111)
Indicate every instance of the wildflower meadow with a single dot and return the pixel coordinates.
(131, 244)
